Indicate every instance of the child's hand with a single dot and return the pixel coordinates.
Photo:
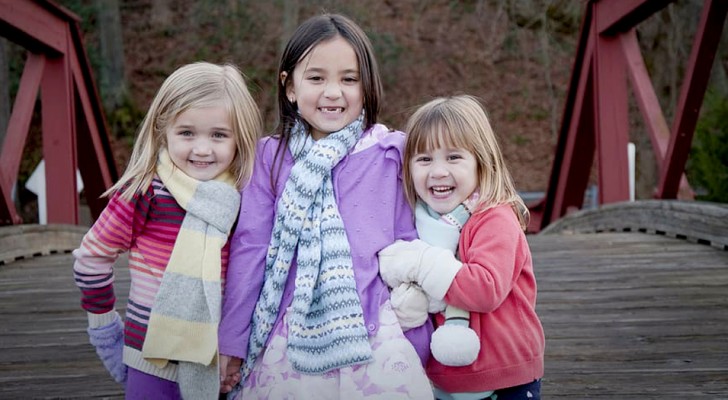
(433, 268)
(109, 343)
(398, 262)
(229, 372)
(410, 305)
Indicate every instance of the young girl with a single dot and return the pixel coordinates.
(172, 210)
(305, 313)
(451, 159)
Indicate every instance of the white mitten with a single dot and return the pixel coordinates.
(435, 306)
(433, 268)
(454, 344)
(410, 304)
(399, 261)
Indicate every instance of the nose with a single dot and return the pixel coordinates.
(438, 170)
(332, 90)
(202, 147)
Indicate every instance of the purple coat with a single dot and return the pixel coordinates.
(368, 189)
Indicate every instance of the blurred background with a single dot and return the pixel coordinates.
(515, 55)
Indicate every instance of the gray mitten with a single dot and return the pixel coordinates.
(109, 342)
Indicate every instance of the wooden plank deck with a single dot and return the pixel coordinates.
(626, 315)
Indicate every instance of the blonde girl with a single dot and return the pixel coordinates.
(172, 211)
(455, 174)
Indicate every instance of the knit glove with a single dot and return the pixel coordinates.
(433, 268)
(109, 342)
(409, 303)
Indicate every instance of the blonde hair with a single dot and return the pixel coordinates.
(195, 85)
(461, 122)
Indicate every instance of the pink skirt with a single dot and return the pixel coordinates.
(394, 373)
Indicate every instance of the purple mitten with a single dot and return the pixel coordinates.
(109, 343)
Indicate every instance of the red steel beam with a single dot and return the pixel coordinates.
(22, 113)
(59, 140)
(623, 15)
(32, 25)
(553, 206)
(72, 117)
(612, 125)
(692, 93)
(648, 104)
(17, 132)
(96, 165)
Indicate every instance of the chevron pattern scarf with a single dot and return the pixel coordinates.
(186, 312)
(326, 321)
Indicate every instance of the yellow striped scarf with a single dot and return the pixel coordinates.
(186, 312)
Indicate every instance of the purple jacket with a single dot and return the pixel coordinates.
(368, 189)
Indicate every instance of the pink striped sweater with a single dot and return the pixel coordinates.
(146, 227)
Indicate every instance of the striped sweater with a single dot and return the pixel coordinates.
(146, 227)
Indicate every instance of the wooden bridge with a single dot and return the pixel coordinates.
(632, 298)
(632, 295)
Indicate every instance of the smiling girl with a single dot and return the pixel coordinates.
(305, 313)
(172, 210)
(457, 179)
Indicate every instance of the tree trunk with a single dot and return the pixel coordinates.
(290, 22)
(161, 13)
(113, 83)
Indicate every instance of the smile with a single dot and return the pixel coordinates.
(333, 110)
(442, 190)
(201, 163)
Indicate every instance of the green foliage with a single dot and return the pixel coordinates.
(124, 120)
(708, 164)
(389, 53)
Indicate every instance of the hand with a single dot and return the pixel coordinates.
(109, 343)
(409, 303)
(399, 262)
(229, 372)
(433, 268)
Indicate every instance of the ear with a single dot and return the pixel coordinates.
(290, 92)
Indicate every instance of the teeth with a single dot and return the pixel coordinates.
(442, 189)
(332, 109)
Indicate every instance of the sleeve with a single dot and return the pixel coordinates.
(404, 229)
(495, 251)
(109, 236)
(248, 250)
(404, 223)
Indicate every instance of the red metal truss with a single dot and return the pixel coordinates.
(73, 124)
(595, 118)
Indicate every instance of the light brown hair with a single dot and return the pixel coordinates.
(461, 122)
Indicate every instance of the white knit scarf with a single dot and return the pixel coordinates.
(326, 321)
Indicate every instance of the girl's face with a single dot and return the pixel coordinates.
(326, 84)
(444, 177)
(200, 142)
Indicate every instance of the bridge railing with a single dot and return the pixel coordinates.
(75, 134)
(595, 118)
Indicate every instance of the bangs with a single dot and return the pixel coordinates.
(438, 131)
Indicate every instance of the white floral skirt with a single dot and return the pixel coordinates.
(395, 372)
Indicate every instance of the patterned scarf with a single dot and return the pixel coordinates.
(326, 321)
(186, 313)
